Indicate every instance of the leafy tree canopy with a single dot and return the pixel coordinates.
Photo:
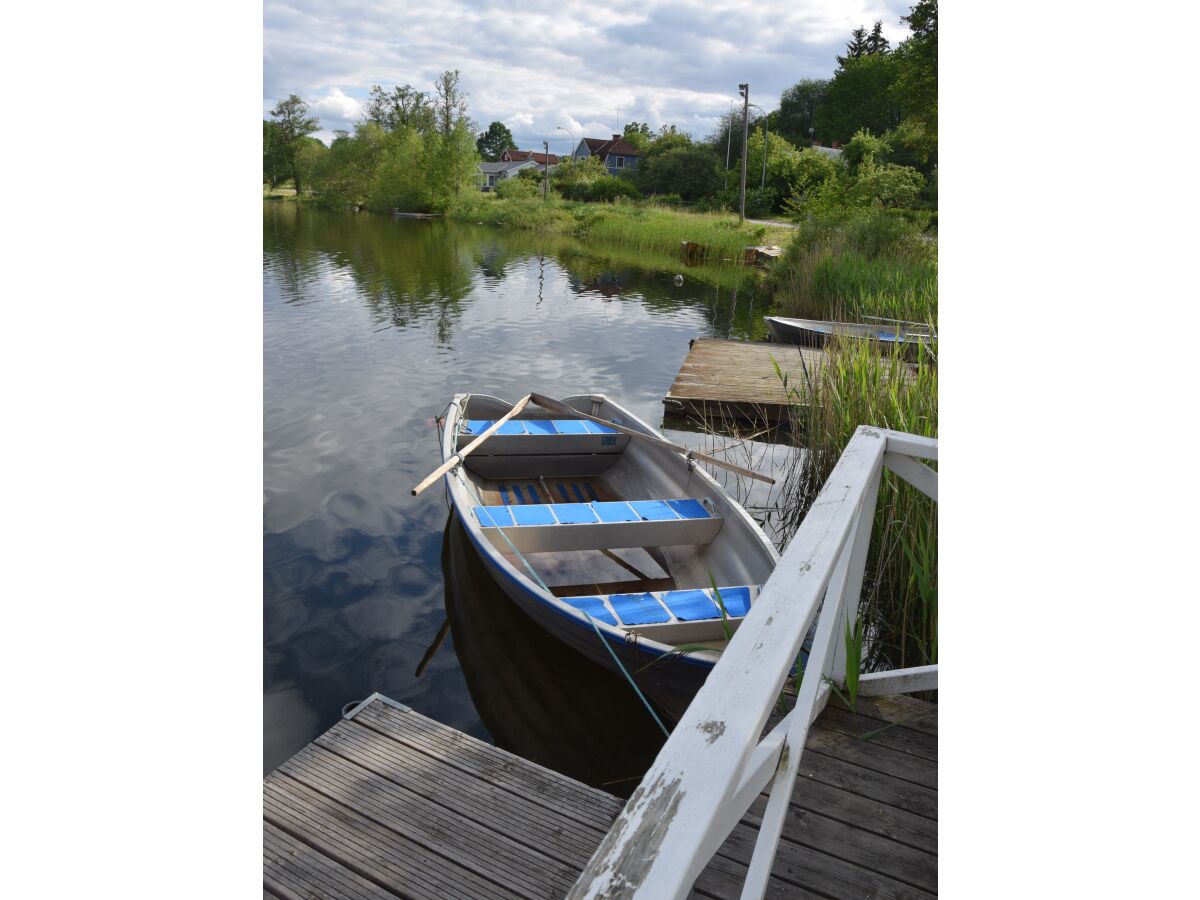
(860, 96)
(638, 134)
(492, 143)
(401, 107)
(917, 66)
(292, 126)
(798, 110)
(450, 102)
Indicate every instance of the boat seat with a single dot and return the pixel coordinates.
(546, 437)
(666, 607)
(546, 527)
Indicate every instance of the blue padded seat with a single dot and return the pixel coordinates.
(690, 606)
(593, 606)
(689, 509)
(498, 516)
(533, 514)
(638, 609)
(616, 511)
(575, 513)
(736, 600)
(597, 428)
(570, 426)
(653, 510)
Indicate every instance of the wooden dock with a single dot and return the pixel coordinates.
(389, 803)
(737, 379)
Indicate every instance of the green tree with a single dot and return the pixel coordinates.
(856, 47)
(864, 149)
(860, 96)
(798, 110)
(292, 126)
(402, 106)
(673, 164)
(573, 178)
(638, 134)
(492, 143)
(876, 42)
(450, 103)
(917, 67)
(275, 166)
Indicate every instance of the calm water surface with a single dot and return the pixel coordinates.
(371, 325)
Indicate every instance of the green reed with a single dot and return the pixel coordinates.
(865, 384)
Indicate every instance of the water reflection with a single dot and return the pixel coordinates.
(537, 697)
(370, 325)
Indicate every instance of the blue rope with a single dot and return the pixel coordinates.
(628, 677)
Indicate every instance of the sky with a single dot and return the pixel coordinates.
(536, 65)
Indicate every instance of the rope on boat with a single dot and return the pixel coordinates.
(620, 665)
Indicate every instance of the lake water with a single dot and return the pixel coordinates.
(370, 326)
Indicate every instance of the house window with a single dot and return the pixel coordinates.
(620, 162)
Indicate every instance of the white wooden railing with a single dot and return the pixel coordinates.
(714, 764)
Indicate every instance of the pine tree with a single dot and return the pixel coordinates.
(856, 46)
(877, 43)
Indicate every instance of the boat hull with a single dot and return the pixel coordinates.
(670, 682)
(813, 333)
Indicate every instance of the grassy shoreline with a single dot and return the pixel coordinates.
(640, 225)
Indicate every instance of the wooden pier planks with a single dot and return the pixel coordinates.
(390, 803)
(737, 379)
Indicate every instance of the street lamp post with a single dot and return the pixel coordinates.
(744, 90)
(570, 139)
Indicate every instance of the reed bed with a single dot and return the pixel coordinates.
(870, 265)
(639, 225)
(864, 384)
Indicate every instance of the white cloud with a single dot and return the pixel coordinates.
(544, 63)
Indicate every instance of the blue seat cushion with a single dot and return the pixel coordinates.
(597, 428)
(689, 509)
(638, 609)
(653, 510)
(570, 426)
(494, 516)
(736, 600)
(691, 606)
(534, 514)
(617, 511)
(593, 606)
(540, 426)
(574, 513)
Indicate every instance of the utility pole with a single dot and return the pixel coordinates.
(728, 141)
(744, 90)
(546, 173)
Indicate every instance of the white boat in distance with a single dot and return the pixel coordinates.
(612, 544)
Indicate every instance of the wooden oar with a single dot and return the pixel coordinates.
(462, 454)
(556, 406)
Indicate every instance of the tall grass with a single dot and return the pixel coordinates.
(864, 384)
(637, 225)
(871, 264)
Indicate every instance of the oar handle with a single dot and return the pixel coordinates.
(465, 451)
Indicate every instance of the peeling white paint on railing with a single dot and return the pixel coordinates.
(714, 764)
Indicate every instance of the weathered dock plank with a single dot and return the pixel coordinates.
(388, 803)
(737, 379)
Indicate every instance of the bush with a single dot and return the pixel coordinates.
(607, 189)
(516, 189)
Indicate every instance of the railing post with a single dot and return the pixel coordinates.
(841, 598)
(852, 589)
